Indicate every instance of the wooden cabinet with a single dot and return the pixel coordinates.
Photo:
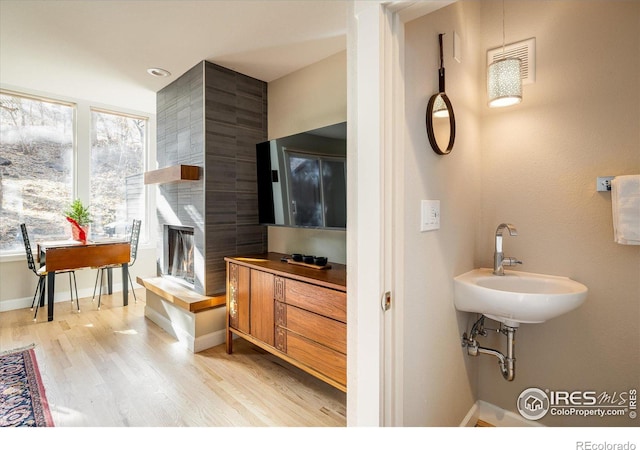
(238, 310)
(262, 306)
(296, 313)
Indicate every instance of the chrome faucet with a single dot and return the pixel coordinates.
(499, 260)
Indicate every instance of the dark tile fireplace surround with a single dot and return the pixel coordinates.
(211, 117)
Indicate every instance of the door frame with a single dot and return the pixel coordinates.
(376, 130)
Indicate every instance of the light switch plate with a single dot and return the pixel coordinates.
(430, 215)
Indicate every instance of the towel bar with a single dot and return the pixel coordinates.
(603, 184)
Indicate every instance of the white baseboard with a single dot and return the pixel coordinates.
(16, 303)
(209, 340)
(496, 416)
(472, 417)
(61, 296)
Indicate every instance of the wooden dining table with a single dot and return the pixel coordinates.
(71, 255)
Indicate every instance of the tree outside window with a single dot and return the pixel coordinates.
(38, 173)
(118, 145)
(36, 168)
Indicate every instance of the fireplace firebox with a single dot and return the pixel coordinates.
(179, 254)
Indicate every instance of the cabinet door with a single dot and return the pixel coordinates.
(262, 306)
(239, 284)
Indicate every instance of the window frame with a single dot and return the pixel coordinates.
(129, 115)
(81, 159)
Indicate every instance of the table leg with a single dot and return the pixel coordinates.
(125, 284)
(51, 282)
(110, 281)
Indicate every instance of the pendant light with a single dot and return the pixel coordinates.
(504, 82)
(440, 107)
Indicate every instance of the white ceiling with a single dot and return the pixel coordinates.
(100, 50)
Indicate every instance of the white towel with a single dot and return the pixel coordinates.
(625, 205)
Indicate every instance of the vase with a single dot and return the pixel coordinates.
(75, 233)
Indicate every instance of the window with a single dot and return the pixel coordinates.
(118, 145)
(317, 189)
(36, 167)
(52, 152)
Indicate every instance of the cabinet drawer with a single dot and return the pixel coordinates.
(320, 300)
(326, 361)
(325, 331)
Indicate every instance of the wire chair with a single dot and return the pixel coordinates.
(41, 273)
(133, 240)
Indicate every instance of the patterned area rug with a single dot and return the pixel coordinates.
(22, 399)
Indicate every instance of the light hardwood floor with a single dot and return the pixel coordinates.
(116, 368)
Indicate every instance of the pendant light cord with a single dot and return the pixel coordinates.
(503, 38)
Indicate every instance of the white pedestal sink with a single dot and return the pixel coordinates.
(517, 297)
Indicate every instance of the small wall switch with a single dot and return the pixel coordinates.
(603, 184)
(430, 215)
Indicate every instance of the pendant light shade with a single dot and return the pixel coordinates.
(504, 83)
(440, 108)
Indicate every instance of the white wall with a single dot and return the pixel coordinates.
(309, 98)
(312, 97)
(580, 120)
(439, 381)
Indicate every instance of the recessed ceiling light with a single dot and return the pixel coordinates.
(158, 72)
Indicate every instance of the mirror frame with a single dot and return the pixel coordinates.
(452, 124)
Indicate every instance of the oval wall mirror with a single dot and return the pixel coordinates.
(441, 124)
(440, 119)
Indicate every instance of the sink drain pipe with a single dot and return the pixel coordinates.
(507, 363)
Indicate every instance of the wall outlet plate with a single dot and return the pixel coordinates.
(430, 215)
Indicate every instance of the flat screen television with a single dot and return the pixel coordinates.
(302, 179)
